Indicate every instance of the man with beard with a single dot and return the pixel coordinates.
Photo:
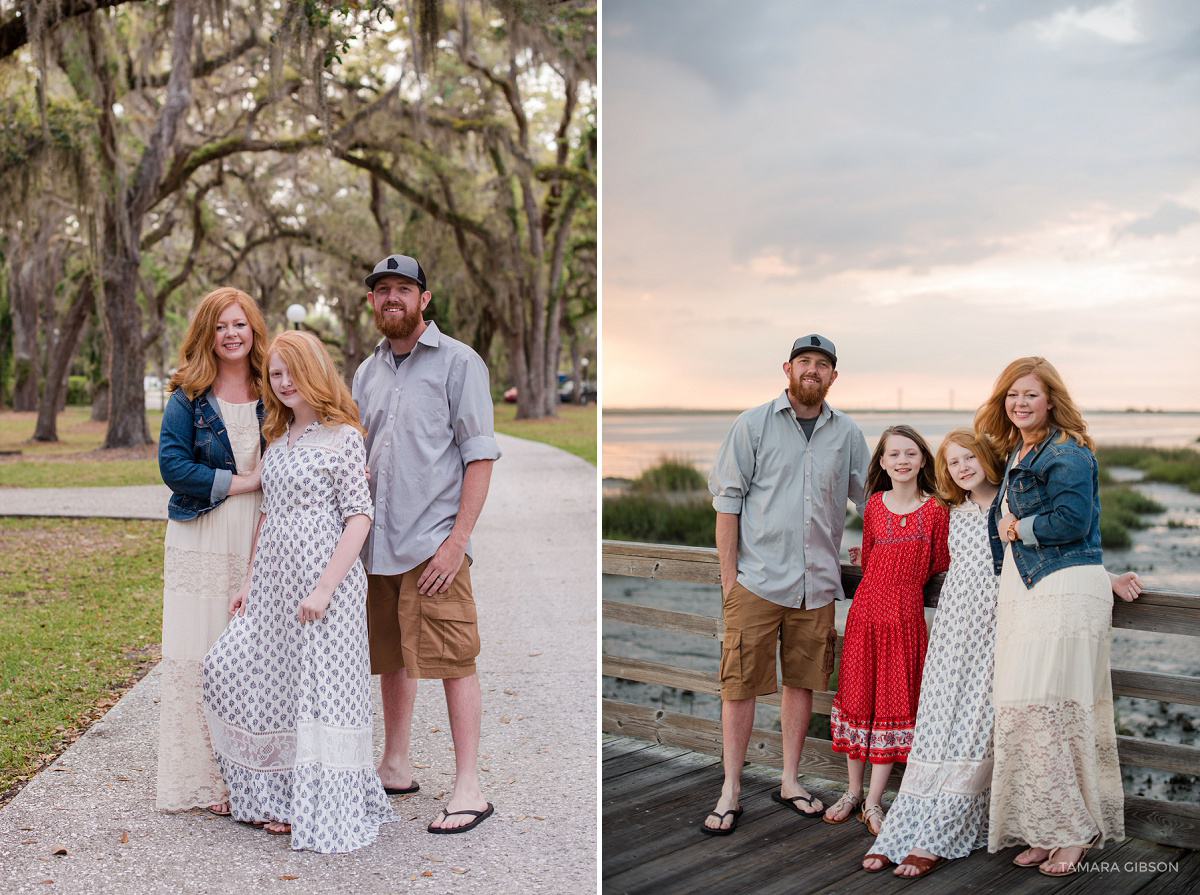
(425, 402)
(780, 486)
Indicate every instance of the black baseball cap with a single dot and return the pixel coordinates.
(813, 343)
(397, 266)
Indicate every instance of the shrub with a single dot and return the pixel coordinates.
(79, 392)
(670, 474)
(641, 517)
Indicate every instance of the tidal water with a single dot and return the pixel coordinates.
(635, 441)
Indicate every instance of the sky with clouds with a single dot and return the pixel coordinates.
(938, 186)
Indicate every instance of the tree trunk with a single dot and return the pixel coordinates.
(125, 210)
(125, 364)
(61, 353)
(22, 290)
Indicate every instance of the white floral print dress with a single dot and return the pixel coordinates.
(943, 802)
(289, 706)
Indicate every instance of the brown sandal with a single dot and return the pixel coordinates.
(887, 862)
(924, 865)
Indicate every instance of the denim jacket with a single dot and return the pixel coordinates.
(1054, 492)
(195, 458)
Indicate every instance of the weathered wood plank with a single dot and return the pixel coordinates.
(687, 679)
(1161, 617)
(1155, 685)
(664, 569)
(704, 735)
(1182, 876)
(662, 619)
(1159, 611)
(1161, 756)
(1168, 823)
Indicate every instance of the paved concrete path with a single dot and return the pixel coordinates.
(535, 581)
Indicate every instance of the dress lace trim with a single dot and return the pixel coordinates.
(187, 772)
(334, 748)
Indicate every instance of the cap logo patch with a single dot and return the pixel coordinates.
(813, 340)
(392, 265)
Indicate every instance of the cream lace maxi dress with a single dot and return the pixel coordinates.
(289, 705)
(1056, 779)
(205, 564)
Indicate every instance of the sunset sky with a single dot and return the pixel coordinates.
(938, 187)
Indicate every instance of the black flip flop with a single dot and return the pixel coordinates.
(791, 804)
(480, 817)
(719, 831)
(402, 790)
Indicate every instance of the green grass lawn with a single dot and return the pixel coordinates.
(82, 601)
(75, 459)
(574, 430)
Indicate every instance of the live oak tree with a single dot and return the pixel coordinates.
(284, 148)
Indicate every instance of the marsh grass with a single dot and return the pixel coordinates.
(658, 510)
(646, 517)
(1179, 466)
(82, 612)
(670, 475)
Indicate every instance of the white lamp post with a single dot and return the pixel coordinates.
(295, 314)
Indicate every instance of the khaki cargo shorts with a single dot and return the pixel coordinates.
(756, 628)
(433, 636)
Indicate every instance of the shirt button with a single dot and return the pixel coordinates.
(391, 416)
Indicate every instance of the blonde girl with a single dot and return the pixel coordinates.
(287, 687)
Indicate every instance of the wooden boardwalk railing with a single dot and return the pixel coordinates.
(1169, 823)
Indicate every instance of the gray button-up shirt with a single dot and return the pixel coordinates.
(425, 420)
(790, 495)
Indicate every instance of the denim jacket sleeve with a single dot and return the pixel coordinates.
(1068, 482)
(181, 472)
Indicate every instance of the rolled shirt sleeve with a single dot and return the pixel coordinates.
(733, 468)
(471, 410)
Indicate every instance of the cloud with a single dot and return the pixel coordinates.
(1117, 22)
(1167, 220)
(897, 165)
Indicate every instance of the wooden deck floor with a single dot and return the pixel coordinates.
(655, 798)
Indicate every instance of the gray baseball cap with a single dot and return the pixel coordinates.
(813, 343)
(397, 266)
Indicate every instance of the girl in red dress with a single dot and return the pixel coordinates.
(904, 543)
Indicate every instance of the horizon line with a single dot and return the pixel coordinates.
(662, 409)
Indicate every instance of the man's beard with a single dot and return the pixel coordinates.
(398, 328)
(809, 394)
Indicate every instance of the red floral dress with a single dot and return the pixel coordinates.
(883, 652)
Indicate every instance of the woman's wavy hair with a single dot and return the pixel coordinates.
(197, 367)
(991, 418)
(983, 449)
(315, 377)
(878, 480)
